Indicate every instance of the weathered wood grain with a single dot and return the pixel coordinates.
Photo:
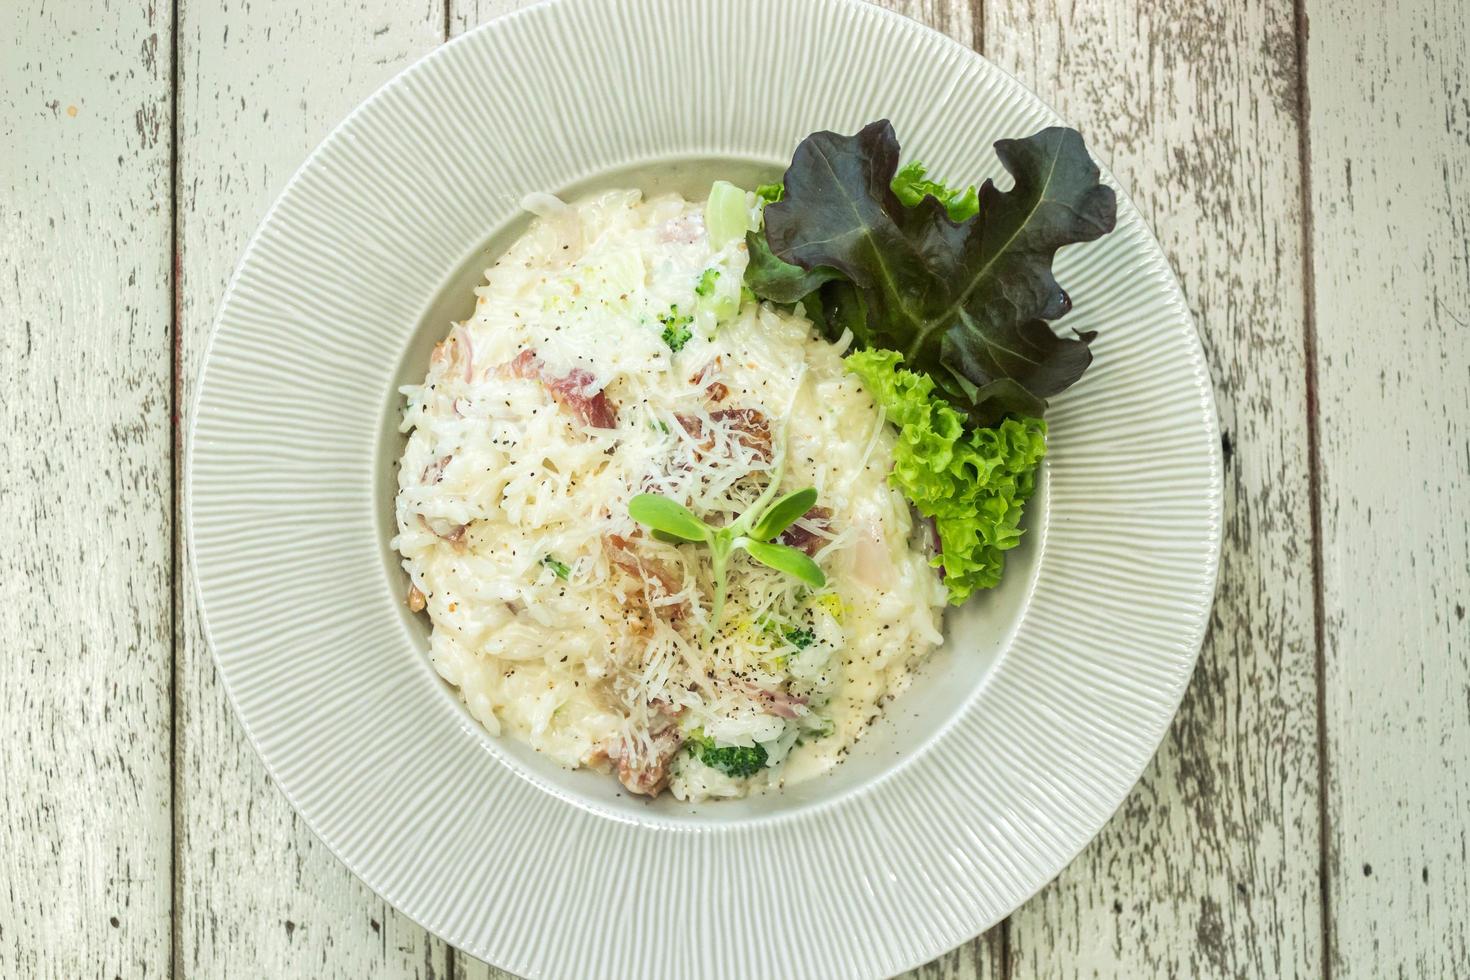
(1389, 147)
(259, 86)
(85, 496)
(960, 19)
(1211, 868)
(466, 15)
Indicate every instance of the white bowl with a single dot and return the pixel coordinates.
(1016, 741)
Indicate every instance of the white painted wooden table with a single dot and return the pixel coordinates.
(1307, 168)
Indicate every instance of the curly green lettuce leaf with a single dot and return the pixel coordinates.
(911, 185)
(973, 482)
(966, 302)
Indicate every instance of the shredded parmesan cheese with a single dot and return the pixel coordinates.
(560, 620)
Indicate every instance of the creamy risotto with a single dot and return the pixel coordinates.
(613, 353)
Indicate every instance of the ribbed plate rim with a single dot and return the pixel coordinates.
(1211, 507)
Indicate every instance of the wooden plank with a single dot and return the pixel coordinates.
(977, 960)
(465, 15)
(259, 87)
(960, 19)
(85, 307)
(1390, 202)
(1211, 868)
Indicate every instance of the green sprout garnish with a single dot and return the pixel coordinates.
(751, 532)
(560, 569)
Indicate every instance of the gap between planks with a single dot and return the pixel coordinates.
(1314, 482)
(176, 461)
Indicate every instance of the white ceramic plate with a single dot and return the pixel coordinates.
(1014, 745)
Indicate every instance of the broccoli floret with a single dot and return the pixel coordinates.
(676, 329)
(739, 761)
(706, 283)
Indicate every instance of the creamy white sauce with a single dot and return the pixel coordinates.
(503, 483)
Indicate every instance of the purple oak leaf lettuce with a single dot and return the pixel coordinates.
(965, 301)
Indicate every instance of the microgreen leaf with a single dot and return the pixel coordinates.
(783, 513)
(672, 521)
(668, 516)
(784, 558)
(559, 568)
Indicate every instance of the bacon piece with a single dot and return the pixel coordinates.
(666, 708)
(456, 347)
(715, 391)
(695, 428)
(524, 365)
(462, 335)
(571, 391)
(777, 703)
(646, 775)
(638, 617)
(454, 535)
(621, 553)
(434, 472)
(804, 538)
(594, 410)
(752, 429)
(710, 368)
(755, 431)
